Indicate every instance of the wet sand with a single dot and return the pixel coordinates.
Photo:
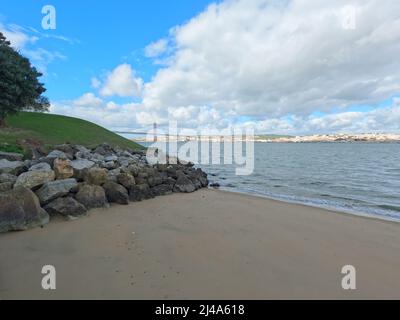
(205, 245)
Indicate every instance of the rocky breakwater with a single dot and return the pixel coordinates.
(72, 179)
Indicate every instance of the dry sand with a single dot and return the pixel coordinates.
(205, 245)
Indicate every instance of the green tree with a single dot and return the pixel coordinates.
(20, 88)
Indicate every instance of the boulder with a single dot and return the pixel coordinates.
(6, 186)
(116, 193)
(91, 196)
(111, 158)
(96, 176)
(55, 189)
(40, 166)
(67, 149)
(140, 192)
(20, 209)
(183, 184)
(6, 177)
(104, 150)
(12, 167)
(67, 207)
(56, 154)
(215, 185)
(34, 179)
(113, 174)
(63, 169)
(11, 156)
(126, 179)
(162, 190)
(81, 168)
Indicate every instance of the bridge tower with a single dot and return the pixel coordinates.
(154, 132)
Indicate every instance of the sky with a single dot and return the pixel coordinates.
(276, 66)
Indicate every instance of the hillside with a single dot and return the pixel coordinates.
(48, 130)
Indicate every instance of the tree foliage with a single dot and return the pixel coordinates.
(20, 88)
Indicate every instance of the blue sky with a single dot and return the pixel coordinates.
(102, 34)
(277, 66)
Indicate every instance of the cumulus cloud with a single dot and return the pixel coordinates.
(269, 64)
(156, 48)
(122, 82)
(88, 100)
(274, 58)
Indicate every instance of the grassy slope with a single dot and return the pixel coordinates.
(52, 129)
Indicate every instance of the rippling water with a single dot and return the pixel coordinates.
(352, 177)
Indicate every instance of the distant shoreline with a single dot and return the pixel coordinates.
(334, 138)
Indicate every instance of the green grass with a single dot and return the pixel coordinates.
(50, 130)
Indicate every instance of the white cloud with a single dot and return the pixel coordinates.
(122, 82)
(95, 83)
(16, 36)
(274, 58)
(88, 100)
(156, 48)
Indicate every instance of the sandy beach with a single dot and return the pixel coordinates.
(205, 245)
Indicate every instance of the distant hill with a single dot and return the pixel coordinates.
(49, 129)
(271, 136)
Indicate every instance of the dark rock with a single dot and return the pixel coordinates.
(126, 179)
(68, 149)
(140, 192)
(116, 193)
(91, 196)
(215, 185)
(162, 190)
(183, 184)
(20, 210)
(67, 207)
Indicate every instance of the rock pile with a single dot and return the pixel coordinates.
(72, 179)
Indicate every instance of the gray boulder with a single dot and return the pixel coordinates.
(20, 210)
(34, 179)
(81, 168)
(6, 186)
(55, 189)
(116, 193)
(67, 207)
(57, 154)
(11, 156)
(40, 166)
(184, 184)
(12, 167)
(6, 177)
(113, 174)
(91, 196)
